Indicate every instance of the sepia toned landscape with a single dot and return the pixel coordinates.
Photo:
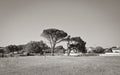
(59, 37)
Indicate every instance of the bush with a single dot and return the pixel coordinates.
(59, 49)
(99, 50)
(35, 47)
(108, 50)
(11, 48)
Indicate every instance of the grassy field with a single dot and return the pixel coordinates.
(60, 65)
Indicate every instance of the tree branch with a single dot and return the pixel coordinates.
(60, 41)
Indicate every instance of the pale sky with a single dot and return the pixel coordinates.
(96, 21)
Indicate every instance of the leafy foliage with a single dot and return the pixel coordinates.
(80, 44)
(21, 47)
(59, 49)
(11, 48)
(35, 47)
(99, 49)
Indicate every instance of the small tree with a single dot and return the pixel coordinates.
(20, 47)
(54, 36)
(1, 52)
(35, 47)
(11, 48)
(99, 50)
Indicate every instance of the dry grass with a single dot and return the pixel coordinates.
(60, 65)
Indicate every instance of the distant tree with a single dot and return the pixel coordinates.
(99, 49)
(108, 50)
(1, 52)
(54, 36)
(35, 47)
(11, 48)
(21, 47)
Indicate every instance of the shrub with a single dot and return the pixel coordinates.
(35, 47)
(99, 50)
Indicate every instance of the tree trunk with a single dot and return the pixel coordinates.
(2, 54)
(53, 49)
(69, 49)
(68, 52)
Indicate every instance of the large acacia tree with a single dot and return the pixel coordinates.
(54, 36)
